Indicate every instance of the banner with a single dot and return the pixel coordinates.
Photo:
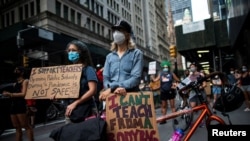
(57, 81)
(131, 117)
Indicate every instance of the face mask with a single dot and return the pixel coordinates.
(165, 69)
(232, 72)
(192, 69)
(216, 77)
(244, 70)
(73, 56)
(119, 37)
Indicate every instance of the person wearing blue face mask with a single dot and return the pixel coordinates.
(167, 89)
(78, 53)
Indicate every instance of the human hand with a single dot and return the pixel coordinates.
(104, 94)
(120, 91)
(52, 97)
(70, 108)
(6, 94)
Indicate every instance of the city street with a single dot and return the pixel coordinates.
(42, 131)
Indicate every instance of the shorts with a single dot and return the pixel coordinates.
(18, 109)
(216, 89)
(167, 95)
(245, 88)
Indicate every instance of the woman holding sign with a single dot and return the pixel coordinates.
(80, 108)
(167, 88)
(123, 66)
(18, 108)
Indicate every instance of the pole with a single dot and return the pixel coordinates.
(175, 66)
(20, 42)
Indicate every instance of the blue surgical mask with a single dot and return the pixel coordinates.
(73, 56)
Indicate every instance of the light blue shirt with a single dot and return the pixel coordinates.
(123, 72)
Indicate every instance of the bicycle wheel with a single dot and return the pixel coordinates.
(183, 121)
(51, 113)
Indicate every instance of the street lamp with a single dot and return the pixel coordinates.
(19, 40)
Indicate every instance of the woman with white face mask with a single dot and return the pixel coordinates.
(123, 66)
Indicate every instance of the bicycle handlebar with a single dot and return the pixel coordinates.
(199, 80)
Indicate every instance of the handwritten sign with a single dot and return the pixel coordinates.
(59, 81)
(131, 117)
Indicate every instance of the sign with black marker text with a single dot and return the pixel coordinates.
(131, 117)
(57, 81)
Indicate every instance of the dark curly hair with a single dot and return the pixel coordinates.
(85, 56)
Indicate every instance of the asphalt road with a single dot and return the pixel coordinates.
(42, 131)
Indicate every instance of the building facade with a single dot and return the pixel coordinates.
(38, 28)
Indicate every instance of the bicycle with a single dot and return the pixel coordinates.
(206, 113)
(55, 110)
(184, 121)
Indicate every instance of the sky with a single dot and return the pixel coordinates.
(200, 10)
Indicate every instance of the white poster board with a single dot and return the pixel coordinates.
(152, 68)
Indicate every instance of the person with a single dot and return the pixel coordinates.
(167, 90)
(207, 88)
(216, 88)
(231, 77)
(193, 76)
(78, 53)
(99, 71)
(123, 65)
(31, 111)
(245, 86)
(193, 97)
(155, 88)
(18, 109)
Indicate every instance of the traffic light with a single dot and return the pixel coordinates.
(172, 51)
(25, 61)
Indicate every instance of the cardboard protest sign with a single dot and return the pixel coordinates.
(131, 117)
(59, 81)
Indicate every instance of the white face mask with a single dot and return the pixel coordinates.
(119, 37)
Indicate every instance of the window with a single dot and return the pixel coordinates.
(78, 18)
(32, 9)
(102, 31)
(37, 6)
(65, 12)
(88, 23)
(58, 8)
(12, 17)
(98, 28)
(7, 19)
(72, 15)
(26, 9)
(93, 26)
(20, 13)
